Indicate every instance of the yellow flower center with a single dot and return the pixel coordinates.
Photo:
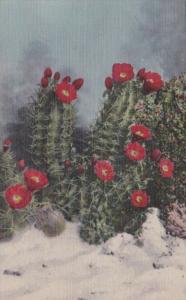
(139, 133)
(134, 153)
(17, 198)
(139, 199)
(65, 92)
(104, 172)
(165, 168)
(123, 75)
(35, 178)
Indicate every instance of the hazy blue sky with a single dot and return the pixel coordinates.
(84, 38)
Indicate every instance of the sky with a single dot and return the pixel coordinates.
(83, 38)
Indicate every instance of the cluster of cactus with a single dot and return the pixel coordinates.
(134, 148)
(130, 106)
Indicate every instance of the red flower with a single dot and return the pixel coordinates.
(48, 72)
(67, 163)
(66, 92)
(21, 164)
(156, 154)
(67, 79)
(104, 170)
(142, 74)
(153, 82)
(122, 72)
(6, 144)
(35, 180)
(17, 196)
(78, 83)
(109, 83)
(57, 76)
(80, 169)
(139, 199)
(44, 82)
(135, 151)
(166, 167)
(141, 131)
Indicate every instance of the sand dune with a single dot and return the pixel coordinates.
(66, 268)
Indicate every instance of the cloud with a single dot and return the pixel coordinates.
(84, 38)
(18, 81)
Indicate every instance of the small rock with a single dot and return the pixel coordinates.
(13, 273)
(50, 221)
(157, 266)
(139, 243)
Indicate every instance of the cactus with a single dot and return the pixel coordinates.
(171, 132)
(107, 208)
(165, 112)
(52, 143)
(8, 177)
(7, 169)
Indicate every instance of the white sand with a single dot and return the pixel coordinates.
(121, 269)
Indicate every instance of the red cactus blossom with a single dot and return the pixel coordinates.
(166, 167)
(134, 151)
(66, 92)
(104, 170)
(21, 164)
(139, 199)
(78, 83)
(35, 180)
(141, 131)
(57, 76)
(142, 74)
(17, 196)
(44, 82)
(122, 72)
(67, 163)
(80, 169)
(48, 72)
(7, 144)
(109, 83)
(156, 154)
(67, 79)
(153, 82)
